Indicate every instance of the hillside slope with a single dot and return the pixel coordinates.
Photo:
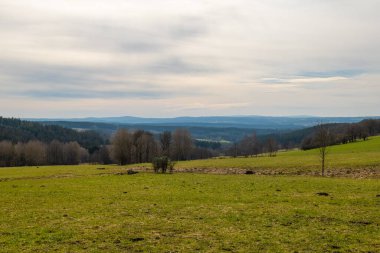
(16, 130)
(353, 158)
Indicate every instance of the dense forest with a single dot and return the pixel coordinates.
(29, 143)
(16, 130)
(24, 143)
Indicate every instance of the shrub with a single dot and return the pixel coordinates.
(162, 164)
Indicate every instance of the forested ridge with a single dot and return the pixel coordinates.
(16, 130)
(30, 143)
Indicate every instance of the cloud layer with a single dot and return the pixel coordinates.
(168, 58)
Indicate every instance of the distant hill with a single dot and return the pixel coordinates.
(229, 134)
(228, 128)
(16, 130)
(251, 122)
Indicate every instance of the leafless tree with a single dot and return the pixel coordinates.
(144, 147)
(182, 144)
(235, 150)
(165, 142)
(245, 146)
(255, 145)
(271, 146)
(138, 146)
(55, 155)
(101, 156)
(35, 153)
(72, 153)
(122, 147)
(20, 154)
(7, 154)
(84, 155)
(149, 147)
(322, 138)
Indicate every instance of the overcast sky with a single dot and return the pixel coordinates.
(163, 58)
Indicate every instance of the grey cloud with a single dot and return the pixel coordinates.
(189, 27)
(27, 74)
(84, 93)
(88, 93)
(160, 36)
(60, 82)
(175, 65)
(183, 51)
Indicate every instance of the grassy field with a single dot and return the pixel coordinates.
(82, 209)
(87, 209)
(359, 155)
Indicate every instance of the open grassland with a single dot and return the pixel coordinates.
(83, 209)
(361, 158)
(91, 208)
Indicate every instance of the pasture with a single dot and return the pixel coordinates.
(358, 159)
(90, 208)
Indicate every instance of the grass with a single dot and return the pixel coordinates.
(361, 154)
(84, 209)
(91, 212)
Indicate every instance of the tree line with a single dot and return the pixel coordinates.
(141, 146)
(126, 147)
(16, 130)
(342, 133)
(37, 153)
(308, 138)
(251, 145)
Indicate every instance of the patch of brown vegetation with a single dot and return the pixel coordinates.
(344, 172)
(38, 177)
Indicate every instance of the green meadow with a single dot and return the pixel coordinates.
(92, 208)
(347, 158)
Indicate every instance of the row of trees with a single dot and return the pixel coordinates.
(343, 133)
(141, 147)
(126, 148)
(36, 153)
(250, 145)
(326, 135)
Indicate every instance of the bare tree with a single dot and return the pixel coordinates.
(322, 138)
(101, 156)
(35, 153)
(144, 147)
(182, 144)
(271, 146)
(20, 154)
(353, 132)
(7, 154)
(138, 147)
(165, 142)
(255, 145)
(122, 147)
(149, 147)
(72, 153)
(245, 146)
(84, 155)
(235, 150)
(55, 153)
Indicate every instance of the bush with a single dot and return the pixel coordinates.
(163, 164)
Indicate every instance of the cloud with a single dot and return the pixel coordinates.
(189, 57)
(305, 80)
(179, 66)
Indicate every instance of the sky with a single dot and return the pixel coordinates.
(149, 58)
